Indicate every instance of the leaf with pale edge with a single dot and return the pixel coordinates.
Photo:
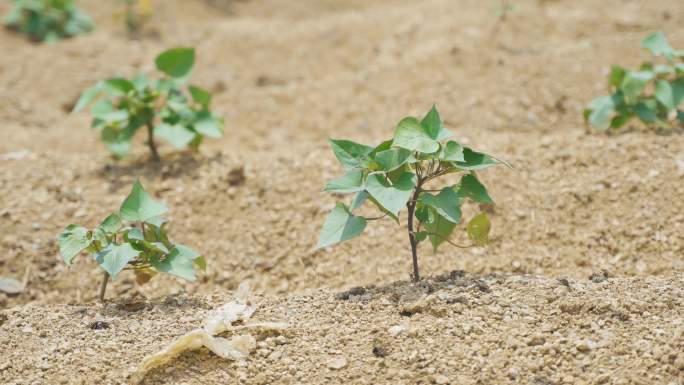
(72, 241)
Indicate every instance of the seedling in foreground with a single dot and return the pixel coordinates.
(48, 20)
(132, 239)
(654, 93)
(162, 106)
(399, 173)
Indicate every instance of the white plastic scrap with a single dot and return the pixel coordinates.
(220, 320)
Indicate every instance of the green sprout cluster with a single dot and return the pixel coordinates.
(653, 93)
(163, 106)
(48, 20)
(399, 173)
(134, 238)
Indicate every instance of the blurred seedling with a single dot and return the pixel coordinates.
(137, 13)
(167, 109)
(134, 238)
(399, 173)
(501, 16)
(653, 93)
(48, 20)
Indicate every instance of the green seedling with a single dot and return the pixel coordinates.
(653, 93)
(136, 15)
(48, 20)
(501, 16)
(167, 109)
(399, 173)
(134, 238)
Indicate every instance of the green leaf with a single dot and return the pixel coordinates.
(633, 83)
(156, 221)
(658, 45)
(200, 263)
(200, 96)
(111, 224)
(678, 91)
(178, 135)
(87, 97)
(617, 73)
(134, 234)
(439, 228)
(476, 160)
(411, 135)
(601, 111)
(118, 86)
(139, 206)
(350, 154)
(209, 125)
(340, 226)
(392, 159)
(72, 241)
(358, 200)
(114, 258)
(470, 187)
(178, 262)
(664, 94)
(118, 142)
(392, 197)
(478, 229)
(433, 125)
(350, 182)
(646, 113)
(447, 204)
(176, 62)
(452, 151)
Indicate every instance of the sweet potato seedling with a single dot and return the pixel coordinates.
(134, 238)
(399, 173)
(653, 93)
(48, 20)
(163, 107)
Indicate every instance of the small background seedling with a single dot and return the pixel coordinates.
(502, 12)
(134, 238)
(163, 106)
(400, 172)
(653, 93)
(48, 20)
(136, 15)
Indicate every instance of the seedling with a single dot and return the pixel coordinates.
(398, 173)
(501, 16)
(132, 239)
(653, 93)
(162, 106)
(48, 20)
(136, 15)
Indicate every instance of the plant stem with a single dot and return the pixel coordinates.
(411, 205)
(103, 286)
(150, 142)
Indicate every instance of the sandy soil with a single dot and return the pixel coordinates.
(457, 329)
(287, 76)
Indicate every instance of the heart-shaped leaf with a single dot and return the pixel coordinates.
(139, 206)
(340, 226)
